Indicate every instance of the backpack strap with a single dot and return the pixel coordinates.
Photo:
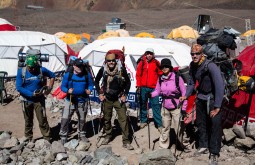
(24, 71)
(70, 76)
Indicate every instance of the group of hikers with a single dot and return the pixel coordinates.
(112, 84)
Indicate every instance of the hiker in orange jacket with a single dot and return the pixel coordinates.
(147, 75)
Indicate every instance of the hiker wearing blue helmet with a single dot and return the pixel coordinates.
(31, 84)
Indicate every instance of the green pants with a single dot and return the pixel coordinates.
(40, 111)
(122, 118)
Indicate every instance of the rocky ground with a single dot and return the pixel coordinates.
(237, 148)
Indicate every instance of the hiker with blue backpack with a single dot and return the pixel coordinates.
(210, 93)
(78, 84)
(171, 87)
(31, 84)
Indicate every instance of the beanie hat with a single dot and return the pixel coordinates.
(31, 60)
(165, 62)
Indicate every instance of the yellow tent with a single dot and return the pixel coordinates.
(249, 32)
(108, 34)
(183, 32)
(145, 35)
(71, 38)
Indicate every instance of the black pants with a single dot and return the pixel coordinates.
(209, 129)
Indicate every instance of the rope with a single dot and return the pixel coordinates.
(213, 11)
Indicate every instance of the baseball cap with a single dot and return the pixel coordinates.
(150, 50)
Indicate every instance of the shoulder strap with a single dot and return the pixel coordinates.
(24, 71)
(177, 76)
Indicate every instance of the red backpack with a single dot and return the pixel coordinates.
(119, 54)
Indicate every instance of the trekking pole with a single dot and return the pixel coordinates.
(178, 127)
(148, 123)
(100, 120)
(92, 118)
(133, 134)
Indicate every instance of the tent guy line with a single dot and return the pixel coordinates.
(214, 11)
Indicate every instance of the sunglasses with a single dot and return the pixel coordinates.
(111, 60)
(147, 53)
(196, 53)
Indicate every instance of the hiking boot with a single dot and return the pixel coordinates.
(84, 139)
(213, 159)
(128, 146)
(142, 125)
(106, 141)
(160, 129)
(201, 151)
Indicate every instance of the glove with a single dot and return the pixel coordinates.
(183, 113)
(47, 90)
(148, 95)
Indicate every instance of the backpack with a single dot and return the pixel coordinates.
(229, 76)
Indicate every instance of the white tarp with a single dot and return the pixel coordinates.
(13, 42)
(178, 53)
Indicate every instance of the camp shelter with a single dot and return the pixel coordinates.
(14, 42)
(123, 33)
(86, 38)
(6, 26)
(249, 32)
(236, 110)
(59, 34)
(183, 32)
(177, 52)
(71, 38)
(145, 35)
(108, 34)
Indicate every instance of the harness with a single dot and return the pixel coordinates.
(175, 96)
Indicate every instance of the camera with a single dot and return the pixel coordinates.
(41, 57)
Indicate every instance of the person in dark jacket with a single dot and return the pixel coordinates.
(78, 84)
(147, 74)
(30, 83)
(210, 93)
(116, 85)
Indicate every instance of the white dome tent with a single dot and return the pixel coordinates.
(15, 42)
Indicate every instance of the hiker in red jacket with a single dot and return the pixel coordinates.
(147, 75)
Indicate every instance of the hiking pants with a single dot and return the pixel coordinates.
(81, 111)
(154, 105)
(40, 111)
(209, 129)
(170, 119)
(121, 110)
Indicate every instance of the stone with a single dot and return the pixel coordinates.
(229, 135)
(161, 156)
